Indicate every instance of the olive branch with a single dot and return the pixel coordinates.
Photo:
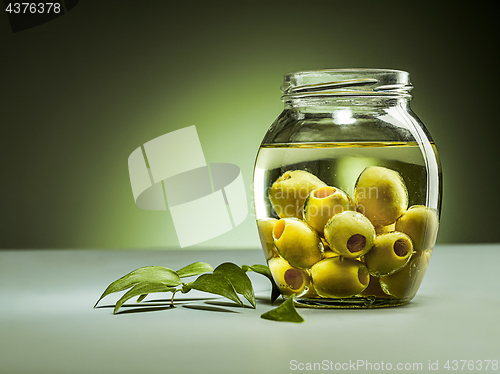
(227, 280)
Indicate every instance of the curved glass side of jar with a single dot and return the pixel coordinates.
(347, 190)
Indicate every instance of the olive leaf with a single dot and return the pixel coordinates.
(286, 312)
(264, 270)
(158, 274)
(214, 283)
(141, 289)
(195, 268)
(239, 279)
(190, 270)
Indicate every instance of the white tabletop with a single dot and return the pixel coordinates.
(47, 324)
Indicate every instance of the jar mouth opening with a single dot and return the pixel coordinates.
(346, 82)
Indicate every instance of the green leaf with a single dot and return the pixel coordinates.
(195, 268)
(141, 289)
(145, 274)
(258, 268)
(286, 312)
(238, 278)
(142, 297)
(214, 283)
(264, 270)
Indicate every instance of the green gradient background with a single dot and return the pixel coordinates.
(80, 93)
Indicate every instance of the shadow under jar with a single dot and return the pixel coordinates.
(347, 190)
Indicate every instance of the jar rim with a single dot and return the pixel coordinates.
(342, 70)
(346, 82)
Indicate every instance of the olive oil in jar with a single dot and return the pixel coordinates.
(339, 166)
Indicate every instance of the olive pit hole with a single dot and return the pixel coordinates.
(323, 192)
(356, 243)
(294, 278)
(278, 229)
(401, 247)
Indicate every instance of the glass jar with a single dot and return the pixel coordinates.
(347, 190)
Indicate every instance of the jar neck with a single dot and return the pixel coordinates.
(354, 102)
(346, 87)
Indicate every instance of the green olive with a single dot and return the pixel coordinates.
(420, 223)
(322, 204)
(297, 242)
(350, 234)
(290, 280)
(381, 195)
(339, 277)
(405, 282)
(390, 252)
(265, 228)
(288, 192)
